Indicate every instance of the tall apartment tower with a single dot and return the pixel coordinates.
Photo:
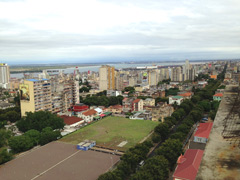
(106, 78)
(35, 95)
(186, 70)
(4, 76)
(152, 78)
(176, 74)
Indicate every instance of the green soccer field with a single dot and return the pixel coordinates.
(111, 131)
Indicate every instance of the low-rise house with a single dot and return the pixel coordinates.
(203, 132)
(177, 99)
(149, 102)
(72, 121)
(116, 109)
(188, 165)
(99, 110)
(137, 105)
(88, 115)
(187, 95)
(217, 97)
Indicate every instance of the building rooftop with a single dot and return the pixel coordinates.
(221, 159)
(185, 94)
(69, 120)
(90, 112)
(35, 80)
(203, 130)
(219, 95)
(136, 100)
(188, 164)
(177, 97)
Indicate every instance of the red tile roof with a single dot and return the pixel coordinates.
(90, 112)
(188, 164)
(125, 99)
(136, 100)
(203, 130)
(186, 94)
(219, 95)
(71, 120)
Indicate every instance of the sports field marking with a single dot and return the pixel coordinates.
(55, 165)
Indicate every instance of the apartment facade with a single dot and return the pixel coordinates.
(107, 78)
(35, 95)
(55, 95)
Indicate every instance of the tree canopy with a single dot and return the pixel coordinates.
(39, 120)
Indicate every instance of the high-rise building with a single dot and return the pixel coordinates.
(4, 76)
(106, 78)
(152, 78)
(54, 95)
(35, 95)
(176, 74)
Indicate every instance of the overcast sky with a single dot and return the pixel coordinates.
(118, 30)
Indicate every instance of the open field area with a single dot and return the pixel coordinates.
(58, 160)
(111, 131)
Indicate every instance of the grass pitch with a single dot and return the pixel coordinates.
(111, 131)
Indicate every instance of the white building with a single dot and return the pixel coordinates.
(4, 76)
(177, 99)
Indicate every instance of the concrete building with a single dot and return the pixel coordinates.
(137, 105)
(217, 97)
(35, 95)
(188, 165)
(4, 76)
(177, 99)
(55, 95)
(152, 78)
(107, 78)
(149, 102)
(176, 74)
(162, 111)
(203, 132)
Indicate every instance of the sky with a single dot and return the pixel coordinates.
(84, 31)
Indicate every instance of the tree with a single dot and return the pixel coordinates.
(195, 99)
(170, 118)
(20, 143)
(170, 149)
(183, 128)
(156, 138)
(39, 120)
(113, 100)
(48, 135)
(206, 105)
(178, 135)
(163, 130)
(5, 155)
(4, 136)
(34, 135)
(108, 176)
(13, 116)
(120, 98)
(155, 168)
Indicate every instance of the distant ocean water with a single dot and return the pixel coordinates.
(96, 68)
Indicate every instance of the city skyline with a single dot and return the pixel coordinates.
(108, 30)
